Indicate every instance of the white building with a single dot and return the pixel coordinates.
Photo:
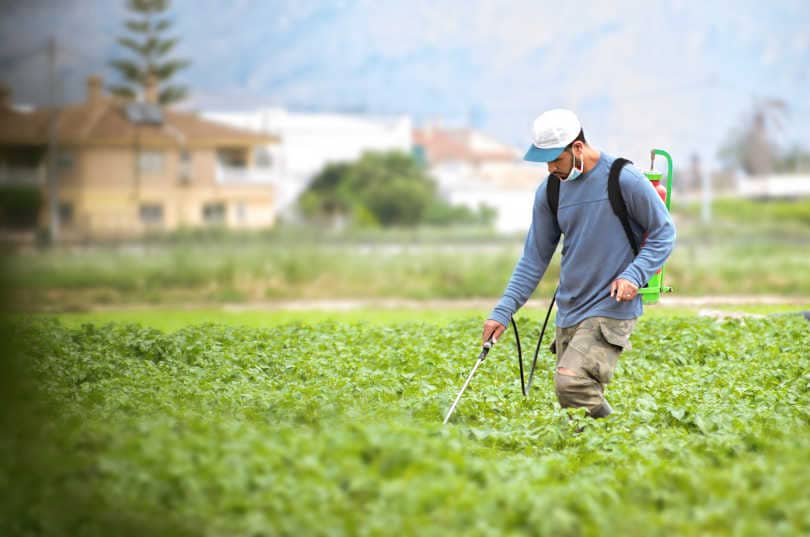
(473, 169)
(311, 141)
(774, 186)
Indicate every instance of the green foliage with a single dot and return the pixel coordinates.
(335, 429)
(387, 189)
(411, 267)
(783, 212)
(48, 467)
(779, 214)
(739, 152)
(749, 248)
(751, 146)
(794, 160)
(19, 206)
(190, 274)
(150, 49)
(441, 213)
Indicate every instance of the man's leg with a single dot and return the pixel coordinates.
(586, 358)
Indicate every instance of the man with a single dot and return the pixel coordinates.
(598, 300)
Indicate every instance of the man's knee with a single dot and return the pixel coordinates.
(575, 391)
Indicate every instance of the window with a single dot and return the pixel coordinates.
(263, 158)
(150, 161)
(151, 213)
(65, 213)
(184, 167)
(241, 211)
(23, 165)
(232, 157)
(214, 213)
(66, 159)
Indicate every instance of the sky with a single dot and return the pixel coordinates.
(677, 75)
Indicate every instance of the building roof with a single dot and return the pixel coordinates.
(23, 128)
(103, 120)
(464, 145)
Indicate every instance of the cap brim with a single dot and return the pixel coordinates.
(535, 154)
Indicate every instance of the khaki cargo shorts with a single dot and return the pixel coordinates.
(587, 353)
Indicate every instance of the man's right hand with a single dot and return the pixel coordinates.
(492, 331)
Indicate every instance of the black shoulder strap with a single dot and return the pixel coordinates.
(553, 194)
(617, 200)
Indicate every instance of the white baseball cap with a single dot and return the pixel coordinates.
(552, 131)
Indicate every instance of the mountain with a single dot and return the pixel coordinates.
(678, 74)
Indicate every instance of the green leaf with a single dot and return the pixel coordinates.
(677, 413)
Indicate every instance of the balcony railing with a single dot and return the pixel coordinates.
(241, 175)
(13, 175)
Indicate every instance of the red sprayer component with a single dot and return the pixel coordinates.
(661, 189)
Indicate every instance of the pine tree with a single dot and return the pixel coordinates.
(150, 47)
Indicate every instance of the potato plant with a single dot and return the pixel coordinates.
(335, 428)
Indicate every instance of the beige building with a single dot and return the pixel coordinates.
(125, 167)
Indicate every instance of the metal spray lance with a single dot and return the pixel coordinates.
(484, 350)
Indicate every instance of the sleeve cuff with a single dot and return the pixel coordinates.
(630, 275)
(501, 314)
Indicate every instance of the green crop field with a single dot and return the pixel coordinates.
(334, 428)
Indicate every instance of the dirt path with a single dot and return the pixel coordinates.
(450, 304)
(484, 303)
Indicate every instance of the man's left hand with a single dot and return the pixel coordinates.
(623, 290)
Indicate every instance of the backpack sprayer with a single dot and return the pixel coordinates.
(649, 293)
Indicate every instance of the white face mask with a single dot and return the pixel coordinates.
(575, 173)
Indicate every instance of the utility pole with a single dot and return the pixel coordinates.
(53, 179)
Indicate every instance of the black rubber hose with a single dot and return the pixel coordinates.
(524, 388)
(520, 357)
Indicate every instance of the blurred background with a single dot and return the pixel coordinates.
(332, 154)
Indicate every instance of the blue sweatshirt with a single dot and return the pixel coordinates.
(595, 247)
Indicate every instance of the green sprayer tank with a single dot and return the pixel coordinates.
(651, 292)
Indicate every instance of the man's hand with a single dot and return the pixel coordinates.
(492, 331)
(623, 290)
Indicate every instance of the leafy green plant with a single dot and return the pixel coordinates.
(334, 428)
